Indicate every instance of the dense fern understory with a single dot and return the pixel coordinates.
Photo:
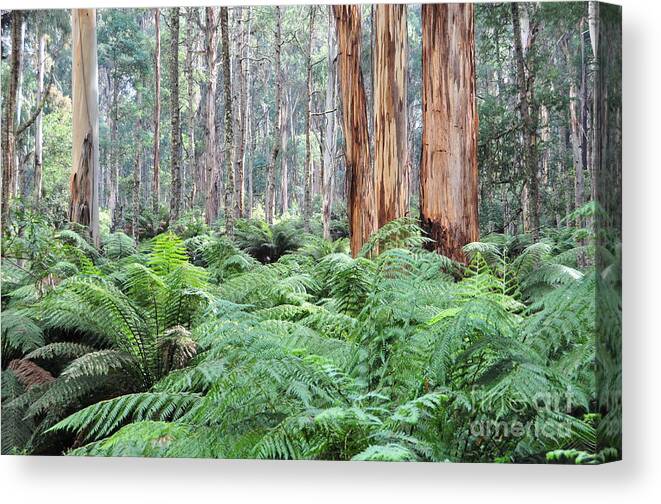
(281, 345)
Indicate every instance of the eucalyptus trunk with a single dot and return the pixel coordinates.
(175, 119)
(84, 206)
(9, 173)
(269, 195)
(156, 182)
(329, 145)
(39, 121)
(361, 201)
(308, 178)
(391, 153)
(230, 187)
(211, 162)
(448, 164)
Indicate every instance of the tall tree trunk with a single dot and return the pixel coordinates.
(307, 198)
(113, 204)
(84, 207)
(287, 121)
(175, 157)
(391, 155)
(328, 177)
(156, 182)
(250, 135)
(230, 187)
(593, 26)
(39, 122)
(269, 196)
(525, 81)
(19, 146)
(211, 161)
(361, 201)
(9, 128)
(448, 164)
(137, 171)
(241, 140)
(190, 174)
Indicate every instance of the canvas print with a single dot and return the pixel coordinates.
(324, 232)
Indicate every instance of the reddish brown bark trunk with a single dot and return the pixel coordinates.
(361, 201)
(391, 163)
(448, 164)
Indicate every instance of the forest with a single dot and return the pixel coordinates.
(350, 232)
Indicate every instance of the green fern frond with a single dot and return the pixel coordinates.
(103, 418)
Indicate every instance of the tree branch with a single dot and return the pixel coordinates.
(21, 129)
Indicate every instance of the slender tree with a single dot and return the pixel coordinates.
(190, 168)
(249, 133)
(448, 162)
(241, 68)
(361, 201)
(230, 187)
(19, 147)
(269, 195)
(211, 51)
(391, 164)
(156, 182)
(137, 170)
(39, 123)
(307, 199)
(9, 168)
(84, 207)
(525, 82)
(330, 138)
(175, 156)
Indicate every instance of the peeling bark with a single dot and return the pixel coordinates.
(361, 201)
(391, 153)
(448, 164)
(84, 184)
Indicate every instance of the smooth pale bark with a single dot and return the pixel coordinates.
(156, 181)
(361, 201)
(391, 153)
(269, 195)
(287, 123)
(84, 207)
(308, 180)
(230, 187)
(19, 146)
(137, 171)
(523, 41)
(329, 146)
(175, 119)
(39, 123)
(211, 162)
(9, 127)
(448, 164)
(113, 202)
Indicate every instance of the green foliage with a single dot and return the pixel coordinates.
(267, 243)
(400, 356)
